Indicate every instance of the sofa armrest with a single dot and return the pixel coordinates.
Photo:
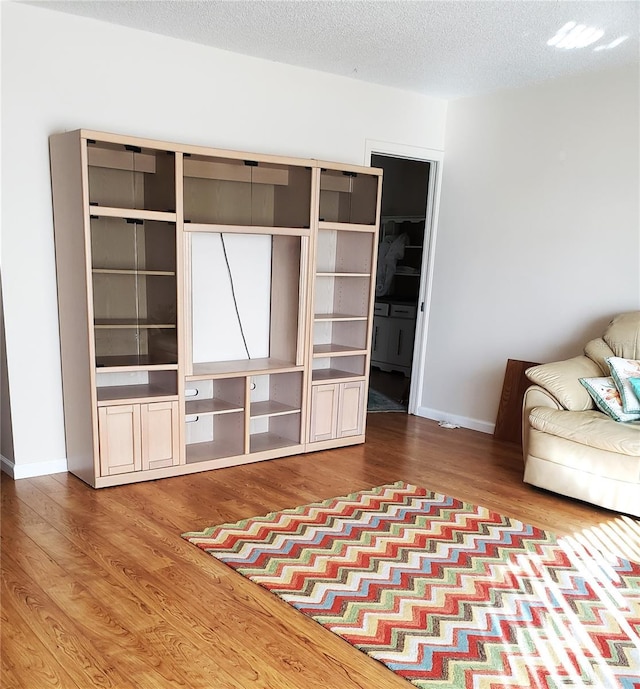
(534, 396)
(561, 379)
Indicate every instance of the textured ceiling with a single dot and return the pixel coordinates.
(445, 48)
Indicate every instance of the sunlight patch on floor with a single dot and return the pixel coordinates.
(617, 537)
(566, 651)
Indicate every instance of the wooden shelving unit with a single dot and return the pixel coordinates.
(206, 298)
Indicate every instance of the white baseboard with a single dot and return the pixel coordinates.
(465, 422)
(17, 471)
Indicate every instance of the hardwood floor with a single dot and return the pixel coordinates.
(99, 590)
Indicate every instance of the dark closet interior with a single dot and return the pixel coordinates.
(400, 256)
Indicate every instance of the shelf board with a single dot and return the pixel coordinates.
(402, 218)
(120, 323)
(332, 182)
(217, 449)
(246, 229)
(330, 374)
(132, 213)
(338, 317)
(342, 275)
(406, 275)
(322, 350)
(225, 170)
(271, 408)
(261, 442)
(134, 393)
(346, 227)
(241, 367)
(127, 271)
(131, 362)
(211, 407)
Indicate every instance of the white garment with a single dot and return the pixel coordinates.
(391, 249)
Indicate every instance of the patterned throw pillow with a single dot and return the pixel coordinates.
(607, 398)
(621, 371)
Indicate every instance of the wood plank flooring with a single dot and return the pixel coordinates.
(99, 590)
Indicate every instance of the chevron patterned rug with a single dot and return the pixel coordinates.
(444, 593)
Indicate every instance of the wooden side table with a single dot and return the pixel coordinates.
(509, 420)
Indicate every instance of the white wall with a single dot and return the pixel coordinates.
(61, 72)
(538, 240)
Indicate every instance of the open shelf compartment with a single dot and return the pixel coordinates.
(214, 437)
(348, 197)
(214, 419)
(327, 369)
(130, 177)
(339, 338)
(247, 311)
(344, 252)
(337, 298)
(131, 386)
(225, 191)
(275, 411)
(134, 290)
(214, 396)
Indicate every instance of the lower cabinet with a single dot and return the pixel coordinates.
(337, 410)
(137, 437)
(392, 346)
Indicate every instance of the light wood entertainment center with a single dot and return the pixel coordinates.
(215, 306)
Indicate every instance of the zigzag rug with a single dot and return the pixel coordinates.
(445, 593)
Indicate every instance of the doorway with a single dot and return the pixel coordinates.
(402, 245)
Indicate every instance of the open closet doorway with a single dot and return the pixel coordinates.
(402, 249)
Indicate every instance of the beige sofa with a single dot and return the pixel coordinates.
(572, 448)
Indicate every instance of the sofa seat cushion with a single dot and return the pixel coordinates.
(591, 428)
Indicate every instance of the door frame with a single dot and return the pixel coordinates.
(436, 159)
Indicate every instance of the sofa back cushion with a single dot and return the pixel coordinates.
(623, 335)
(599, 351)
(562, 380)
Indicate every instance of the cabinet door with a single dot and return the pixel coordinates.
(159, 437)
(351, 409)
(401, 341)
(380, 339)
(119, 434)
(399, 336)
(324, 412)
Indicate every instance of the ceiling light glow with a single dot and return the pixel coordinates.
(614, 44)
(561, 33)
(574, 35)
